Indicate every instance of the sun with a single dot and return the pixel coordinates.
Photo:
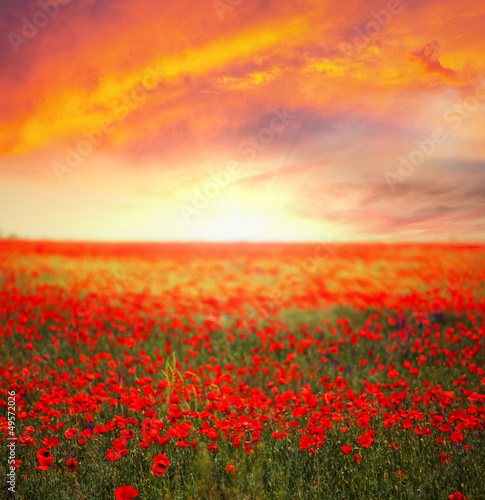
(237, 225)
(240, 219)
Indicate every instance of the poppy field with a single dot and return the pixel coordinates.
(245, 371)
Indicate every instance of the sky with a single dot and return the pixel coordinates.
(242, 120)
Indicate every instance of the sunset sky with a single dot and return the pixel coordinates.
(307, 120)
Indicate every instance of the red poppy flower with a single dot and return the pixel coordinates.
(50, 442)
(112, 456)
(230, 468)
(407, 424)
(212, 447)
(127, 433)
(126, 492)
(161, 459)
(159, 469)
(365, 440)
(45, 459)
(456, 496)
(70, 433)
(456, 437)
(71, 464)
(346, 449)
(160, 464)
(119, 445)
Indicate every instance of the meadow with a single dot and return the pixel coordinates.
(242, 371)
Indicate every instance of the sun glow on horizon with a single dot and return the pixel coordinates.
(239, 221)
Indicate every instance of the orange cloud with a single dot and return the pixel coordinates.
(429, 56)
(278, 50)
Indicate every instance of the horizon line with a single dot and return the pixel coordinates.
(245, 242)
